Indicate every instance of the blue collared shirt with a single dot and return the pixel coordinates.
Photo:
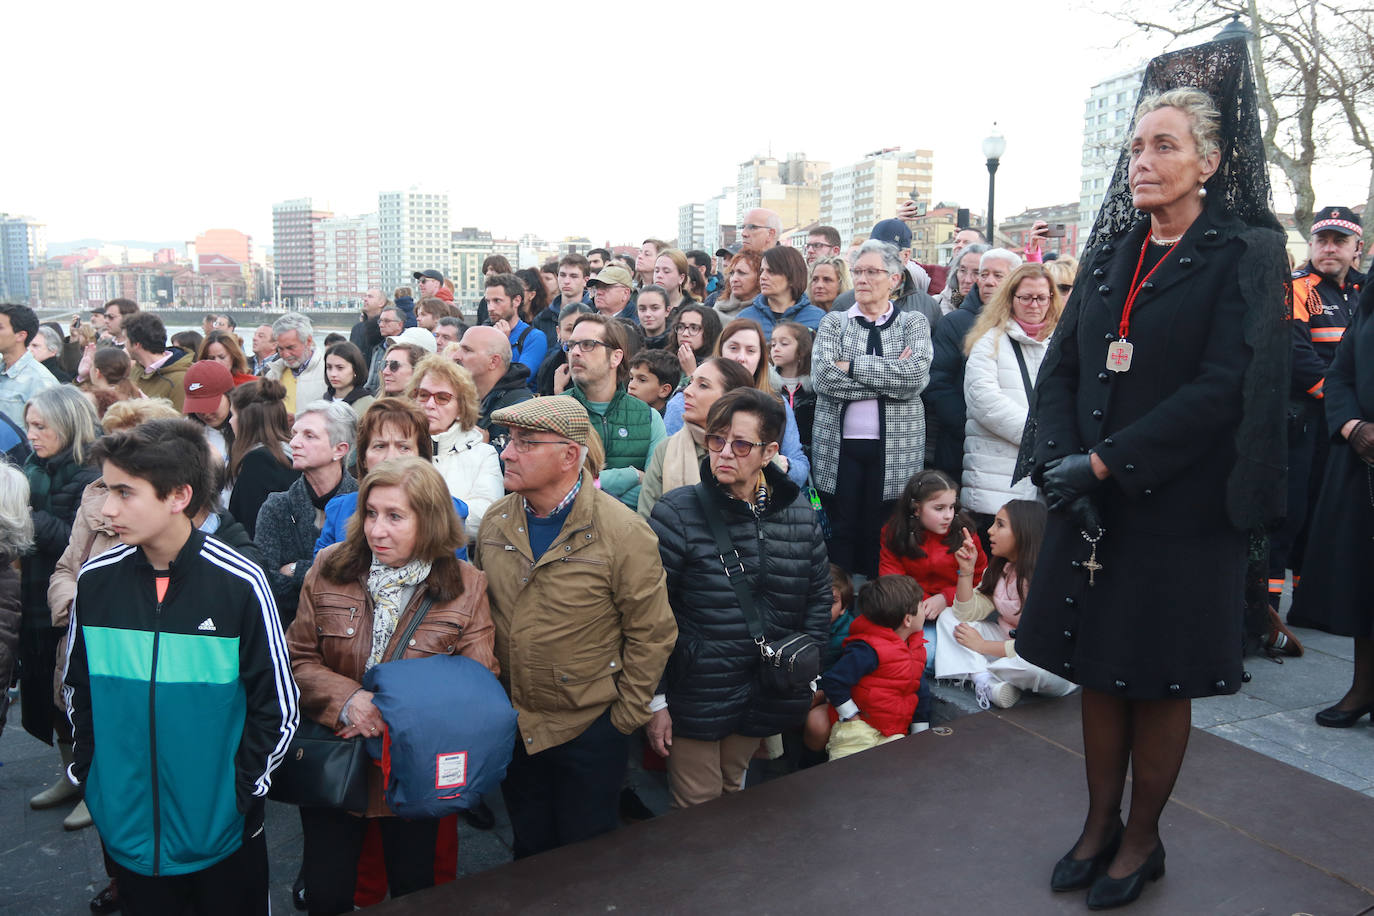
(20, 382)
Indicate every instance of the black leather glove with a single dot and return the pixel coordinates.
(1068, 478)
(1085, 515)
(1362, 440)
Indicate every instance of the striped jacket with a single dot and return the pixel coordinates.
(896, 383)
(1321, 311)
(181, 706)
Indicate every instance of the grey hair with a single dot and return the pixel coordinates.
(71, 415)
(51, 338)
(16, 518)
(449, 321)
(340, 422)
(892, 258)
(952, 280)
(774, 221)
(1204, 120)
(998, 254)
(294, 321)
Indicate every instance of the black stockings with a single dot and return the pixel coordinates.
(1148, 735)
(1362, 685)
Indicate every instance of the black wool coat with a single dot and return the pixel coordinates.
(712, 681)
(1164, 617)
(1332, 595)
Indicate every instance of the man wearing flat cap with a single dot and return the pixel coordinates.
(583, 625)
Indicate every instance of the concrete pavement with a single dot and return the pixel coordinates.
(45, 870)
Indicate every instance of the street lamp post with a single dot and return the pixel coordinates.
(994, 145)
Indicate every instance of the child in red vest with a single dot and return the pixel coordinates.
(871, 689)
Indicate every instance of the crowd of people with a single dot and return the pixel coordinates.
(632, 486)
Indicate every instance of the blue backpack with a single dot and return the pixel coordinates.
(450, 730)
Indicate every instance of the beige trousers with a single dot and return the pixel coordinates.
(699, 771)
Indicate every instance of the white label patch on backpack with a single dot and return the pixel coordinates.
(450, 770)
(207, 625)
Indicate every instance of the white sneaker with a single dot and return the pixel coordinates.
(1002, 694)
(982, 690)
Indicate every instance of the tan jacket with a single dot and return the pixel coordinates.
(331, 637)
(586, 626)
(91, 536)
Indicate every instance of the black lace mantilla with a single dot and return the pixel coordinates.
(1240, 186)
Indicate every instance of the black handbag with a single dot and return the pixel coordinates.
(788, 664)
(322, 770)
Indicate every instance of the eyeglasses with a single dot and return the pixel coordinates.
(738, 447)
(395, 365)
(441, 398)
(523, 446)
(1065, 288)
(688, 329)
(585, 346)
(1028, 300)
(817, 246)
(751, 227)
(968, 272)
(870, 273)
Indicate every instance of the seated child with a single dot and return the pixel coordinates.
(976, 640)
(841, 613)
(654, 375)
(871, 690)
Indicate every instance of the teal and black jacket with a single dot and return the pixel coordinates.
(181, 707)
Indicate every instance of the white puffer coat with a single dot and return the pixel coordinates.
(472, 471)
(996, 399)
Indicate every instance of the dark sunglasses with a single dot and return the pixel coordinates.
(1065, 288)
(738, 447)
(395, 365)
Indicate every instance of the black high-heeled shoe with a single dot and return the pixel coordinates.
(1331, 717)
(1108, 892)
(1072, 874)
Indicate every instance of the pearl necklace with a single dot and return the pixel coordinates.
(1154, 239)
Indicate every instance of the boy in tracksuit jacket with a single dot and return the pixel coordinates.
(178, 685)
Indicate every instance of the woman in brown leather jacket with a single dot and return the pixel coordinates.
(358, 598)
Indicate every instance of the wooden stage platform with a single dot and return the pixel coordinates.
(968, 822)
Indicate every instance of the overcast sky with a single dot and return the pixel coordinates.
(156, 121)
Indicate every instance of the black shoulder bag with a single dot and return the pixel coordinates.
(1025, 373)
(322, 770)
(789, 664)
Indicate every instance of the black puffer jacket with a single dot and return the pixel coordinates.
(55, 488)
(711, 681)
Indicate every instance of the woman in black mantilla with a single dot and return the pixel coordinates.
(1157, 437)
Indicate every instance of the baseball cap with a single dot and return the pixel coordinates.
(612, 276)
(432, 274)
(205, 382)
(560, 415)
(892, 231)
(418, 336)
(1337, 219)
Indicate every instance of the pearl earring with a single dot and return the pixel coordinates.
(1201, 192)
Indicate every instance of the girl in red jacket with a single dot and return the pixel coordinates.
(920, 539)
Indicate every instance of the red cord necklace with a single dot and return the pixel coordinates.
(1120, 352)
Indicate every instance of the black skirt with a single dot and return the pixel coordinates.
(1332, 595)
(1163, 620)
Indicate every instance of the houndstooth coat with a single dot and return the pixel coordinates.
(897, 383)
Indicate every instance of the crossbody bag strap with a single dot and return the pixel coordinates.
(414, 625)
(1021, 363)
(733, 564)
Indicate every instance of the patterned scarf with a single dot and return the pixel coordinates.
(385, 584)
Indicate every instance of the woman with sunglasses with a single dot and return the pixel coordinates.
(715, 709)
(447, 395)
